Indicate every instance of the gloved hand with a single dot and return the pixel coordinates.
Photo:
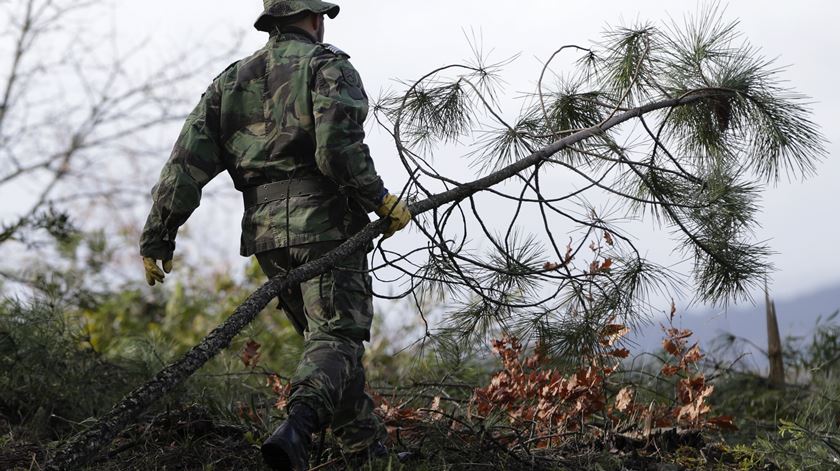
(153, 271)
(396, 210)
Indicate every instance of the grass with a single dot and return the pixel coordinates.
(52, 382)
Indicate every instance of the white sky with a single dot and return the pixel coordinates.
(402, 39)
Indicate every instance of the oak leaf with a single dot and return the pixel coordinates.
(669, 370)
(283, 391)
(678, 334)
(620, 353)
(693, 355)
(624, 399)
(250, 355)
(671, 347)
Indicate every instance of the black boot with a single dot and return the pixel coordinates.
(287, 449)
(376, 451)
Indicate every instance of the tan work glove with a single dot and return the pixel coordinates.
(397, 211)
(153, 271)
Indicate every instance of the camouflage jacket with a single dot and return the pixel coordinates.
(293, 110)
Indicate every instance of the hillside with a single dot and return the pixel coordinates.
(798, 317)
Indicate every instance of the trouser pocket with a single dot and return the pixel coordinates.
(338, 303)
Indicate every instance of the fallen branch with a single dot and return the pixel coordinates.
(83, 447)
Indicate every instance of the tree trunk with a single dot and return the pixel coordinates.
(83, 447)
(774, 344)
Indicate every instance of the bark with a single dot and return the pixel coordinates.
(80, 449)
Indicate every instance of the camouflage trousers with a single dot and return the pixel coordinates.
(333, 312)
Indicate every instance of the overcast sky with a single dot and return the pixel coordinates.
(402, 39)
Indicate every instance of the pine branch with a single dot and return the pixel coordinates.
(84, 446)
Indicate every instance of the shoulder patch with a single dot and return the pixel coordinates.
(334, 50)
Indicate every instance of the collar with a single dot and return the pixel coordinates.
(293, 32)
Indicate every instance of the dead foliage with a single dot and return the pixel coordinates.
(531, 414)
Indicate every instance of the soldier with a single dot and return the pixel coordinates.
(286, 124)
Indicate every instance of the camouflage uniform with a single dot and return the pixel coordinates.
(293, 111)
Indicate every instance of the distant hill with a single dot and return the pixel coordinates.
(797, 318)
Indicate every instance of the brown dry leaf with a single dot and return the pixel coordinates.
(620, 353)
(549, 266)
(693, 394)
(611, 329)
(669, 370)
(693, 355)
(698, 383)
(612, 333)
(606, 266)
(692, 411)
(251, 354)
(685, 391)
(275, 383)
(246, 412)
(671, 347)
(661, 422)
(624, 399)
(723, 422)
(282, 391)
(535, 360)
(680, 334)
(569, 253)
(707, 392)
(608, 238)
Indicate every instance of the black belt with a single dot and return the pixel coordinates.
(286, 189)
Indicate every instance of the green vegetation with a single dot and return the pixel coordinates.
(68, 353)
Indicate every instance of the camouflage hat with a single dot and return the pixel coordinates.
(284, 8)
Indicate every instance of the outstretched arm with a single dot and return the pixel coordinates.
(195, 160)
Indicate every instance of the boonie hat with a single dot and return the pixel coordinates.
(275, 9)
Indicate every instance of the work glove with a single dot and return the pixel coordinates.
(153, 271)
(391, 207)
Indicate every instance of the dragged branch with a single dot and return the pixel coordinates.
(84, 446)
